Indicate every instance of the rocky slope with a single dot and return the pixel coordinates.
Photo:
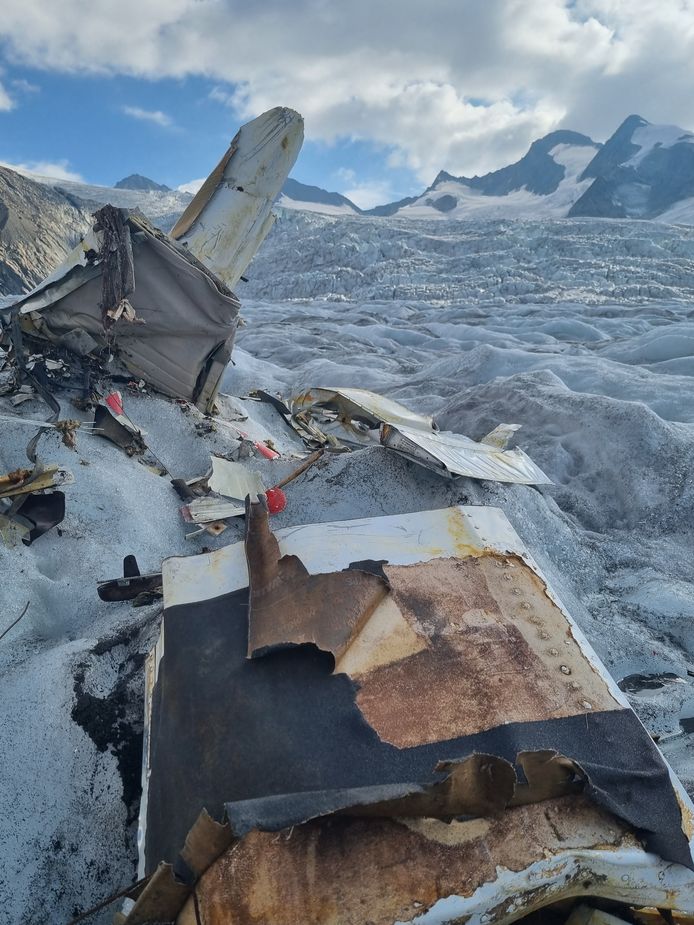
(38, 226)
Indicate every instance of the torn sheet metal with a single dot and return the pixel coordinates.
(361, 418)
(428, 872)
(31, 516)
(230, 216)
(118, 429)
(453, 454)
(293, 741)
(26, 481)
(289, 607)
(234, 480)
(210, 509)
(188, 317)
(354, 416)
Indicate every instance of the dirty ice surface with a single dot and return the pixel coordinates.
(582, 332)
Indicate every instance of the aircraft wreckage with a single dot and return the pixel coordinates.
(378, 721)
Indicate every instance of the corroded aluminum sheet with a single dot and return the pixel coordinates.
(488, 871)
(456, 575)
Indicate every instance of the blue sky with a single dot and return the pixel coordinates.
(103, 128)
(391, 91)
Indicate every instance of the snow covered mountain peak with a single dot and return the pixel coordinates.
(642, 171)
(307, 198)
(543, 183)
(138, 182)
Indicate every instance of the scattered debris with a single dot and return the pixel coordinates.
(383, 688)
(26, 481)
(359, 418)
(369, 724)
(132, 585)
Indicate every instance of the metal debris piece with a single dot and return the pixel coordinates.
(354, 416)
(26, 481)
(232, 480)
(37, 513)
(113, 428)
(27, 511)
(132, 585)
(358, 418)
(210, 508)
(230, 216)
(453, 454)
(289, 607)
(444, 699)
(501, 436)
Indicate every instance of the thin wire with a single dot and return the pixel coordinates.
(5, 632)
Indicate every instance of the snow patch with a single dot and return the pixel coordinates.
(649, 137)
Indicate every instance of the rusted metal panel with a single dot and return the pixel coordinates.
(495, 643)
(456, 581)
(348, 871)
(287, 606)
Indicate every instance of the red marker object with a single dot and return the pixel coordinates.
(115, 402)
(276, 500)
(265, 450)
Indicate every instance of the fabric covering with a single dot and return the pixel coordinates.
(186, 317)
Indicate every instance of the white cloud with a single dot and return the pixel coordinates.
(25, 86)
(191, 187)
(6, 101)
(221, 96)
(57, 170)
(156, 116)
(454, 84)
(369, 193)
(345, 174)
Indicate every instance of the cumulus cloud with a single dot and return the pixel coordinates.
(156, 116)
(191, 187)
(453, 84)
(56, 170)
(366, 193)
